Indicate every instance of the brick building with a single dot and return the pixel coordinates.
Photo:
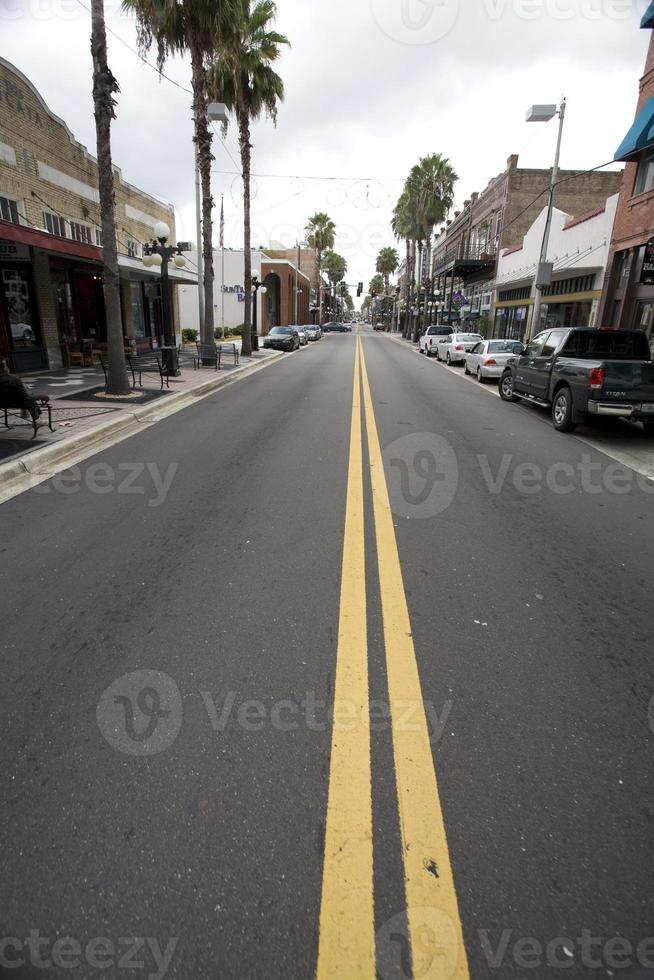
(51, 301)
(465, 253)
(628, 297)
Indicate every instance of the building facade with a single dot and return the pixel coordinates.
(628, 298)
(466, 252)
(578, 249)
(51, 298)
(286, 300)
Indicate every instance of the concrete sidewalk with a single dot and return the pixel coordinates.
(79, 419)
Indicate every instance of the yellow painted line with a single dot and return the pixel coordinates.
(346, 946)
(436, 936)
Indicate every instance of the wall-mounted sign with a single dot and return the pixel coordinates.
(647, 275)
(14, 251)
(233, 289)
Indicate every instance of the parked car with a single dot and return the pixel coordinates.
(431, 338)
(312, 331)
(282, 338)
(583, 372)
(454, 348)
(22, 331)
(489, 358)
(333, 327)
(302, 334)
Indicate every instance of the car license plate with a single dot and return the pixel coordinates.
(647, 408)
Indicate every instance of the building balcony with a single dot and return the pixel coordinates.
(464, 260)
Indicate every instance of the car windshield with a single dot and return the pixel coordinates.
(281, 330)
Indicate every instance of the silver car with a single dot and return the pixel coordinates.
(454, 348)
(488, 359)
(312, 331)
(302, 334)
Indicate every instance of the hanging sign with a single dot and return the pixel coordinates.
(14, 251)
(647, 275)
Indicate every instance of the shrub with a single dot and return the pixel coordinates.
(189, 336)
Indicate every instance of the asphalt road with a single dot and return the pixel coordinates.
(170, 644)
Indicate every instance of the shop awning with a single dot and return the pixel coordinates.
(49, 243)
(648, 17)
(641, 134)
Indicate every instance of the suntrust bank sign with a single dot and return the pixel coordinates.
(239, 290)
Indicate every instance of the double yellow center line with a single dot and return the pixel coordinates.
(346, 946)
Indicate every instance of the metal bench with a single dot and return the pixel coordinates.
(13, 400)
(207, 354)
(227, 347)
(145, 363)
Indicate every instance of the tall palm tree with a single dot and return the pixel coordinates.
(105, 87)
(321, 234)
(431, 183)
(241, 76)
(404, 225)
(191, 27)
(335, 267)
(387, 262)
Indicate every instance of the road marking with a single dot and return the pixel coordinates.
(435, 932)
(346, 945)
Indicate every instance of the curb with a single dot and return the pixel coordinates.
(40, 462)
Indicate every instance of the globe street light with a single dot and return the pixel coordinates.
(157, 254)
(255, 288)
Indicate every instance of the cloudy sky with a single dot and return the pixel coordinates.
(371, 85)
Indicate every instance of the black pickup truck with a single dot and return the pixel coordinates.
(583, 372)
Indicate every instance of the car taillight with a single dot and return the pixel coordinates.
(459, 347)
(489, 362)
(596, 378)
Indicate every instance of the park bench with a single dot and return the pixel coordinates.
(148, 362)
(213, 353)
(10, 400)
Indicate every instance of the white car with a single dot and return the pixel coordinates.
(488, 359)
(312, 331)
(454, 348)
(302, 334)
(431, 337)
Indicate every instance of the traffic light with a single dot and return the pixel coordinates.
(359, 289)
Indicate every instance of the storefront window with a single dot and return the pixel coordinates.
(138, 311)
(19, 304)
(643, 315)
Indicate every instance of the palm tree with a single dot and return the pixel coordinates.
(387, 262)
(335, 267)
(376, 283)
(431, 186)
(241, 76)
(193, 27)
(404, 226)
(105, 87)
(321, 233)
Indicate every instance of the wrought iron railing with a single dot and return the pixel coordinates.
(465, 253)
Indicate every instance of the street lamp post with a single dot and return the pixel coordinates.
(543, 113)
(297, 273)
(255, 287)
(158, 254)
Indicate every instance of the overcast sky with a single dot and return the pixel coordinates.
(371, 86)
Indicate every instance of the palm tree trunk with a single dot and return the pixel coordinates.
(104, 88)
(202, 139)
(319, 265)
(407, 288)
(244, 142)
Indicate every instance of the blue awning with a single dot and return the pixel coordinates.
(641, 134)
(648, 18)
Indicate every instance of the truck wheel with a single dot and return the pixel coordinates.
(506, 388)
(562, 411)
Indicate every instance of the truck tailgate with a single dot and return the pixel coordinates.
(629, 380)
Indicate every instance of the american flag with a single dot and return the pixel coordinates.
(222, 223)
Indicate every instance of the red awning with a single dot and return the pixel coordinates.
(49, 243)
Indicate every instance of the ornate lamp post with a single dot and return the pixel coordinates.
(158, 254)
(256, 286)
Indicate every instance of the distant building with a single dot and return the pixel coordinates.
(276, 307)
(628, 299)
(579, 248)
(465, 253)
(51, 300)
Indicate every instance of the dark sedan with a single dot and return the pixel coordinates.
(282, 338)
(334, 327)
